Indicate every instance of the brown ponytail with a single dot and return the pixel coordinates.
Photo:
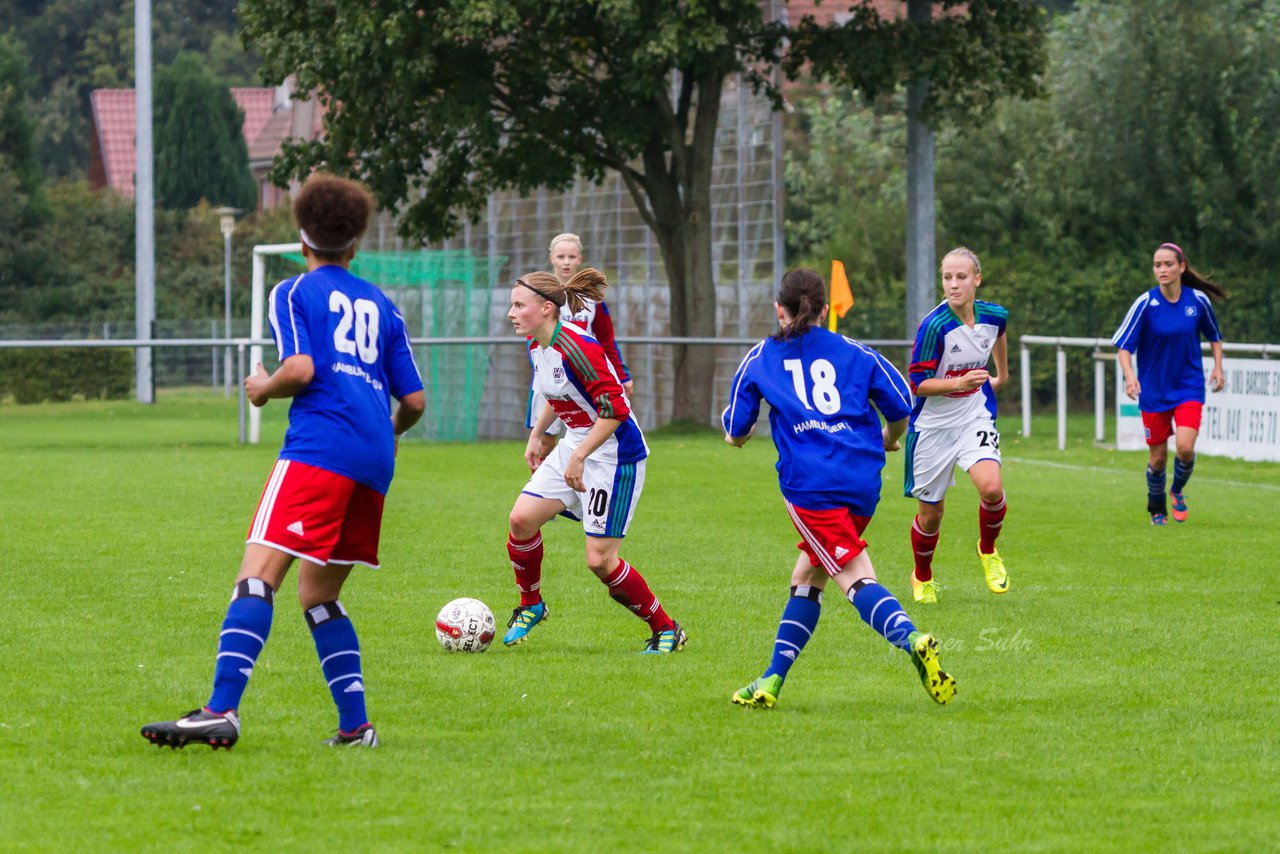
(803, 294)
(588, 283)
(1191, 278)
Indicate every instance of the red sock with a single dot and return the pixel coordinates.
(922, 546)
(628, 588)
(526, 560)
(990, 520)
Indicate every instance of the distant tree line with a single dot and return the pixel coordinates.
(82, 45)
(67, 252)
(1161, 122)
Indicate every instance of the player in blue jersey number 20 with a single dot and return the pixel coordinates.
(824, 391)
(595, 474)
(953, 422)
(1163, 326)
(344, 353)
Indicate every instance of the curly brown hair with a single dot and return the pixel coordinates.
(332, 213)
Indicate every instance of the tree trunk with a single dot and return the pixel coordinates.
(693, 315)
(682, 208)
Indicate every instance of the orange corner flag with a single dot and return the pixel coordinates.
(841, 295)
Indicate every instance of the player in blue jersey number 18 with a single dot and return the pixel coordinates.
(344, 353)
(953, 422)
(827, 394)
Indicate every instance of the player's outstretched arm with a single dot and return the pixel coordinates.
(535, 451)
(407, 413)
(409, 410)
(1132, 387)
(1216, 379)
(596, 436)
(967, 381)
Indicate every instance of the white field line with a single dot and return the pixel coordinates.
(1049, 464)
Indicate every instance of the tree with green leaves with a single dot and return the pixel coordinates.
(17, 131)
(88, 44)
(21, 180)
(437, 108)
(200, 148)
(1162, 123)
(846, 194)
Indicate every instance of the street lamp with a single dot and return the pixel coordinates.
(227, 221)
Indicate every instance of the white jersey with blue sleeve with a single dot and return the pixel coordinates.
(574, 376)
(824, 391)
(341, 421)
(945, 347)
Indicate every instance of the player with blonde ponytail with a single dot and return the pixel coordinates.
(565, 254)
(596, 474)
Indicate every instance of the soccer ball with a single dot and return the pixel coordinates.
(465, 625)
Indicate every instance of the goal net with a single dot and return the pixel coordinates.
(443, 293)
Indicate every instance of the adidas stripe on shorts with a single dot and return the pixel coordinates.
(831, 538)
(612, 490)
(317, 515)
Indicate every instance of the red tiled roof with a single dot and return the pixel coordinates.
(113, 121)
(828, 11)
(114, 112)
(266, 143)
(286, 121)
(256, 103)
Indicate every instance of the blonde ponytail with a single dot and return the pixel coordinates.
(587, 283)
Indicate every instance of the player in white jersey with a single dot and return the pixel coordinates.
(596, 474)
(565, 255)
(954, 419)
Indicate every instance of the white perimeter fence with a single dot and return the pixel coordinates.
(251, 350)
(1253, 426)
(1251, 429)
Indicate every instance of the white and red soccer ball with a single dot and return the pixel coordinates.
(465, 625)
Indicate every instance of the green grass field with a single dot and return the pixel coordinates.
(1122, 696)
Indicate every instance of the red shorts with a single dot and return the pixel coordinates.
(832, 538)
(319, 516)
(1159, 425)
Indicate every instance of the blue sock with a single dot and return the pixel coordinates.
(881, 611)
(339, 652)
(244, 634)
(1182, 473)
(1155, 491)
(799, 620)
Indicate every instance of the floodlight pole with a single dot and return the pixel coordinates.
(144, 203)
(227, 222)
(921, 235)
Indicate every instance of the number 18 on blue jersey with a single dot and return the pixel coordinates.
(824, 391)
